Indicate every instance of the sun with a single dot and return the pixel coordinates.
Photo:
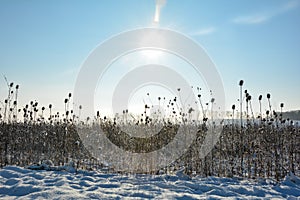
(151, 55)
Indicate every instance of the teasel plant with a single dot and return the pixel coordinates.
(241, 102)
(241, 132)
(281, 107)
(201, 105)
(260, 112)
(251, 108)
(7, 100)
(67, 107)
(16, 103)
(50, 112)
(247, 106)
(268, 97)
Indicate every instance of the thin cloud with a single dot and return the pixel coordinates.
(264, 17)
(204, 31)
(291, 5)
(255, 19)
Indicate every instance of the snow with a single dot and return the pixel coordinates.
(67, 183)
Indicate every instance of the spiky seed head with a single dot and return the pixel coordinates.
(15, 102)
(5, 101)
(178, 89)
(80, 107)
(268, 96)
(212, 100)
(241, 83)
(36, 104)
(159, 98)
(17, 87)
(199, 95)
(11, 84)
(260, 97)
(43, 108)
(233, 107)
(249, 97)
(66, 100)
(50, 106)
(70, 95)
(281, 105)
(267, 112)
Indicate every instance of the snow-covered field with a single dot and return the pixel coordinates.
(20, 183)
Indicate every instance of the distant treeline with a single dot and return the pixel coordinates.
(293, 115)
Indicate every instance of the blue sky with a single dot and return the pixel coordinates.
(44, 43)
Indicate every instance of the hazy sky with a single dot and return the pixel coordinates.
(44, 43)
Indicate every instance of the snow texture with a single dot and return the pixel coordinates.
(68, 183)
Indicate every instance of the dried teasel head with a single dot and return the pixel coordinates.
(268, 96)
(66, 100)
(233, 107)
(260, 97)
(241, 82)
(248, 97)
(281, 105)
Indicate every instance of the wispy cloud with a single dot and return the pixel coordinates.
(204, 31)
(254, 19)
(268, 15)
(291, 5)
